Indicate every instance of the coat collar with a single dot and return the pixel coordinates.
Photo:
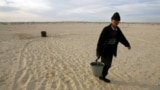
(114, 28)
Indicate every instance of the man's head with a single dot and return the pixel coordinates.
(115, 19)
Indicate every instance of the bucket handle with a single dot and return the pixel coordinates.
(97, 59)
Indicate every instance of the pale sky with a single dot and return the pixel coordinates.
(79, 10)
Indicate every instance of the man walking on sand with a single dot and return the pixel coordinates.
(107, 44)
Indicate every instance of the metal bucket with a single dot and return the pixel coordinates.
(97, 68)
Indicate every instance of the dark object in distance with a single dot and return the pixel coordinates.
(43, 33)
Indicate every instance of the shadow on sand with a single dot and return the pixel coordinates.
(137, 84)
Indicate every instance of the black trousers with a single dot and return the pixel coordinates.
(107, 60)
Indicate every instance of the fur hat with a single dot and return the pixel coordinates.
(116, 16)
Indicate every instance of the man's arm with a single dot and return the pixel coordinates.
(123, 40)
(100, 42)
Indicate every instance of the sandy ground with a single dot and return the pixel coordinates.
(62, 60)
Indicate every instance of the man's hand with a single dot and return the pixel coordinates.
(98, 57)
(129, 48)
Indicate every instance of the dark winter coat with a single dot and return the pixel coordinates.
(103, 46)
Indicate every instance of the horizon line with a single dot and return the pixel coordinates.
(68, 22)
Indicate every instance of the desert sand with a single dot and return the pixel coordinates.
(61, 61)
